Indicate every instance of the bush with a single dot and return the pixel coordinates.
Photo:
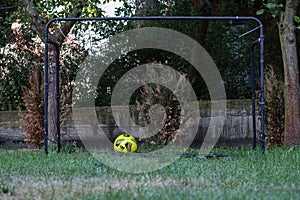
(152, 94)
(33, 97)
(274, 109)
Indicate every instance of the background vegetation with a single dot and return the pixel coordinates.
(21, 42)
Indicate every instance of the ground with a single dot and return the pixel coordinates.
(31, 174)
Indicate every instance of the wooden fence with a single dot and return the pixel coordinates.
(236, 131)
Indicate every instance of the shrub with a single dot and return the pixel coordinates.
(152, 94)
(274, 109)
(34, 102)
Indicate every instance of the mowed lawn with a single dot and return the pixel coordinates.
(30, 174)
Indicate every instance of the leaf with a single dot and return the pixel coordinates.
(298, 27)
(297, 19)
(260, 12)
(271, 5)
(280, 5)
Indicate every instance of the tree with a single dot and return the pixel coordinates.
(287, 34)
(287, 37)
(39, 12)
(38, 19)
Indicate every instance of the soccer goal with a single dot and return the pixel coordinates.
(175, 47)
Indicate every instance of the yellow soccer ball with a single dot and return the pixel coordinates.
(125, 143)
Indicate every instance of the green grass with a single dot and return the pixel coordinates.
(30, 174)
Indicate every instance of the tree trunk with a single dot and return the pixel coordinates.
(291, 74)
(52, 125)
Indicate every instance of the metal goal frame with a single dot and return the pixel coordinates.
(259, 41)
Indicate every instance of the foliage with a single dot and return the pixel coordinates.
(82, 30)
(232, 55)
(274, 110)
(22, 80)
(15, 66)
(29, 174)
(272, 7)
(13, 69)
(297, 21)
(232, 58)
(152, 94)
(28, 49)
(34, 103)
(7, 16)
